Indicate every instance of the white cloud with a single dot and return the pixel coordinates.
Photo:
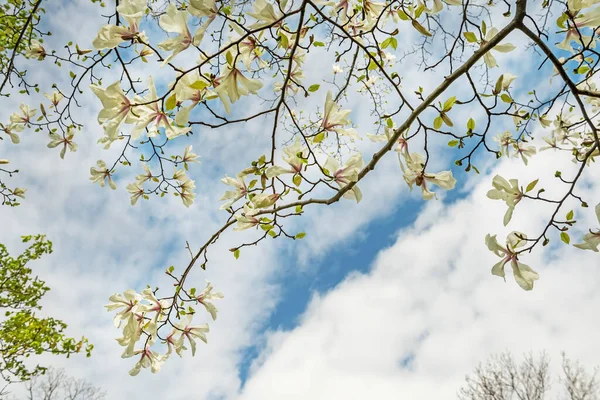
(430, 299)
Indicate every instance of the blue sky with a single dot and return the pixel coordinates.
(393, 295)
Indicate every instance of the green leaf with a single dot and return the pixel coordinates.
(506, 98)
(236, 253)
(471, 124)
(570, 215)
(449, 103)
(314, 88)
(171, 102)
(199, 85)
(318, 44)
(319, 137)
(389, 123)
(531, 186)
(298, 209)
(437, 122)
(171, 269)
(470, 36)
(453, 143)
(272, 233)
(564, 236)
(297, 179)
(420, 28)
(229, 58)
(300, 235)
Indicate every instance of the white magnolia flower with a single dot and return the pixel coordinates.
(35, 50)
(152, 116)
(509, 192)
(192, 332)
(232, 85)
(246, 219)
(101, 174)
(136, 192)
(175, 21)
(295, 156)
(337, 69)
(334, 118)
(65, 140)
(524, 151)
(110, 36)
(126, 302)
(54, 97)
(148, 358)
(346, 174)
(264, 13)
(116, 108)
(24, 117)
(414, 173)
(11, 130)
(194, 87)
(488, 57)
(524, 275)
(205, 297)
(591, 240)
(233, 195)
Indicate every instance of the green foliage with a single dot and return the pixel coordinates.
(23, 333)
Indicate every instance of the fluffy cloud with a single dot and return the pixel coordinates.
(429, 310)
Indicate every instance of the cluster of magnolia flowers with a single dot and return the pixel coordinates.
(143, 314)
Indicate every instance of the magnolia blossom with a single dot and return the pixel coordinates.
(524, 151)
(11, 130)
(142, 178)
(346, 174)
(35, 50)
(591, 240)
(334, 118)
(191, 333)
(187, 186)
(110, 36)
(372, 9)
(509, 192)
(174, 341)
(414, 173)
(194, 87)
(148, 359)
(101, 174)
(64, 140)
(524, 275)
(132, 332)
(203, 8)
(188, 156)
(246, 219)
(264, 13)
(116, 108)
(152, 116)
(337, 69)
(175, 21)
(136, 192)
(505, 140)
(155, 305)
(295, 156)
(19, 192)
(488, 58)
(246, 48)
(233, 84)
(24, 117)
(205, 297)
(54, 97)
(504, 81)
(126, 302)
(264, 200)
(294, 80)
(233, 195)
